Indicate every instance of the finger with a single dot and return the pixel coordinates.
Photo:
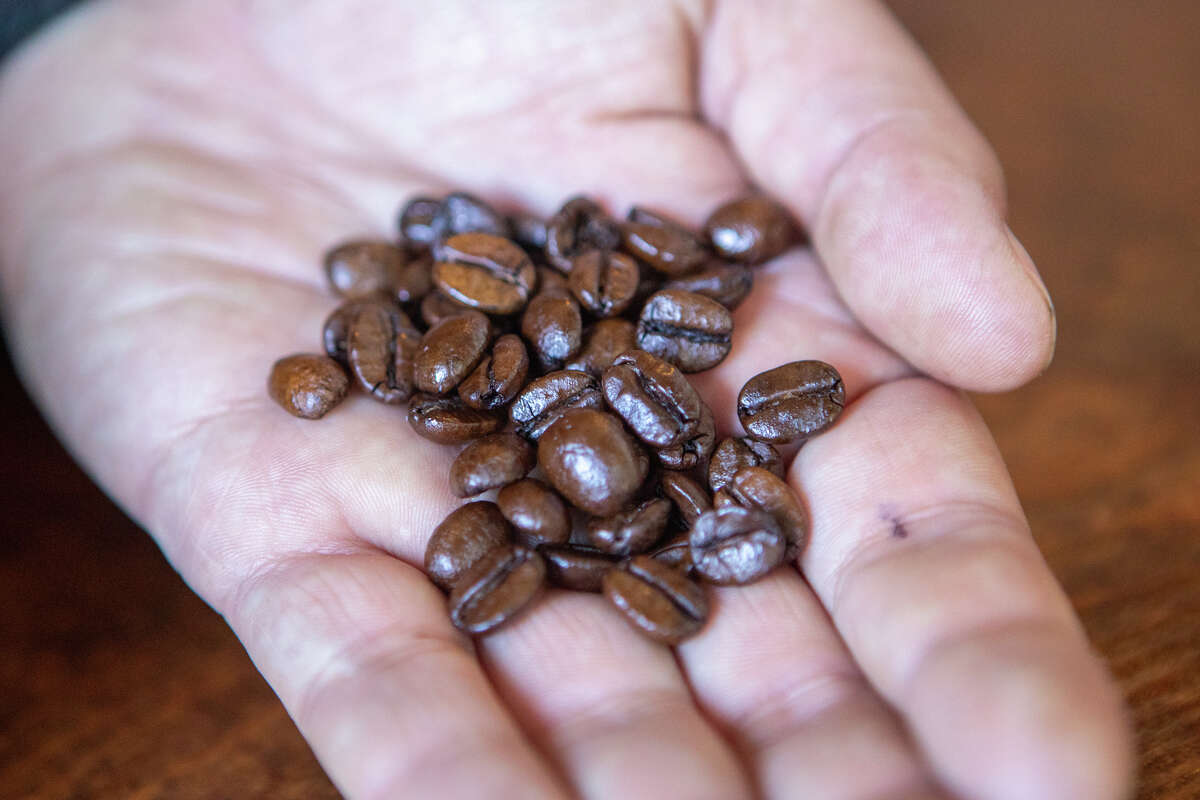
(392, 700)
(920, 553)
(833, 109)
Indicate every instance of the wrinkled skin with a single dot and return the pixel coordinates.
(173, 173)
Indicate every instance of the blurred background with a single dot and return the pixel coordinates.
(116, 681)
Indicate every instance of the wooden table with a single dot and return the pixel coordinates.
(119, 683)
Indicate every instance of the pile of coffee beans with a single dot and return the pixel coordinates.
(557, 352)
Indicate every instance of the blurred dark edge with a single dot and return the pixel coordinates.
(20, 18)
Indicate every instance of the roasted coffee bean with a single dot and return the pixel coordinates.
(579, 226)
(498, 377)
(417, 223)
(676, 552)
(696, 448)
(307, 385)
(536, 512)
(751, 229)
(723, 498)
(529, 231)
(415, 279)
(735, 545)
(335, 333)
(447, 420)
(485, 272)
(551, 281)
(449, 352)
(363, 267)
(465, 213)
(587, 456)
(662, 243)
(653, 397)
(728, 284)
(762, 490)
(489, 463)
(464, 537)
(581, 569)
(544, 400)
(553, 327)
(380, 351)
(631, 531)
(690, 498)
(657, 600)
(501, 585)
(791, 402)
(602, 343)
(436, 307)
(734, 453)
(604, 282)
(691, 331)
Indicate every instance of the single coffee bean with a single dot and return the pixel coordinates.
(553, 327)
(496, 589)
(335, 333)
(489, 463)
(464, 537)
(690, 498)
(728, 284)
(436, 307)
(751, 229)
(735, 545)
(415, 279)
(791, 402)
(465, 213)
(447, 420)
(657, 600)
(499, 375)
(580, 569)
(662, 243)
(536, 512)
(529, 231)
(417, 223)
(760, 489)
(734, 453)
(449, 352)
(604, 282)
(691, 331)
(485, 272)
(307, 385)
(696, 448)
(363, 267)
(676, 553)
(602, 343)
(382, 346)
(544, 400)
(634, 530)
(653, 397)
(587, 456)
(579, 226)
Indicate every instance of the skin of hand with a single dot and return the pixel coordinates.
(173, 173)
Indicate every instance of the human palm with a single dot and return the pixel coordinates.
(174, 173)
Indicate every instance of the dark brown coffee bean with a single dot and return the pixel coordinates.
(307, 385)
(363, 267)
(587, 456)
(501, 585)
(580, 569)
(657, 600)
(335, 333)
(499, 376)
(653, 397)
(544, 400)
(604, 282)
(676, 553)
(690, 498)
(728, 284)
(529, 231)
(551, 281)
(417, 223)
(602, 343)
(464, 537)
(485, 272)
(447, 420)
(662, 243)
(735, 545)
(553, 327)
(415, 279)
(449, 351)
(380, 351)
(690, 330)
(465, 213)
(696, 448)
(723, 498)
(436, 307)
(751, 229)
(791, 402)
(579, 226)
(734, 453)
(634, 530)
(762, 490)
(536, 512)
(489, 463)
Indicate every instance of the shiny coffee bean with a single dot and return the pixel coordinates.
(449, 352)
(587, 456)
(632, 531)
(307, 385)
(656, 599)
(728, 284)
(498, 377)
(415, 279)
(676, 553)
(489, 463)
(653, 398)
(791, 402)
(335, 333)
(696, 448)
(380, 351)
(762, 490)
(602, 343)
(689, 330)
(536, 512)
(544, 400)
(464, 537)
(734, 453)
(553, 327)
(485, 272)
(447, 420)
(751, 229)
(529, 231)
(417, 223)
(501, 585)
(604, 282)
(735, 545)
(580, 569)
(363, 267)
(662, 243)
(436, 307)
(722, 498)
(689, 497)
(579, 226)
(461, 213)
(551, 281)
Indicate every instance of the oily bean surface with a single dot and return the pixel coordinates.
(447, 420)
(491, 462)
(751, 229)
(602, 343)
(676, 553)
(587, 456)
(536, 512)
(436, 307)
(485, 272)
(728, 284)
(449, 352)
(307, 385)
(735, 545)
(547, 398)
(760, 489)
(696, 448)
(737, 452)
(579, 226)
(691, 499)
(461, 212)
(691, 331)
(464, 537)
(631, 531)
(335, 332)
(497, 588)
(791, 402)
(553, 327)
(363, 267)
(380, 351)
(418, 230)
(499, 375)
(581, 569)
(604, 282)
(662, 243)
(653, 398)
(656, 599)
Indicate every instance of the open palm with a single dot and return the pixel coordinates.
(173, 173)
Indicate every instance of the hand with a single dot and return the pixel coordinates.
(174, 171)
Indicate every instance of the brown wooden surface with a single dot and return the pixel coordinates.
(116, 682)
